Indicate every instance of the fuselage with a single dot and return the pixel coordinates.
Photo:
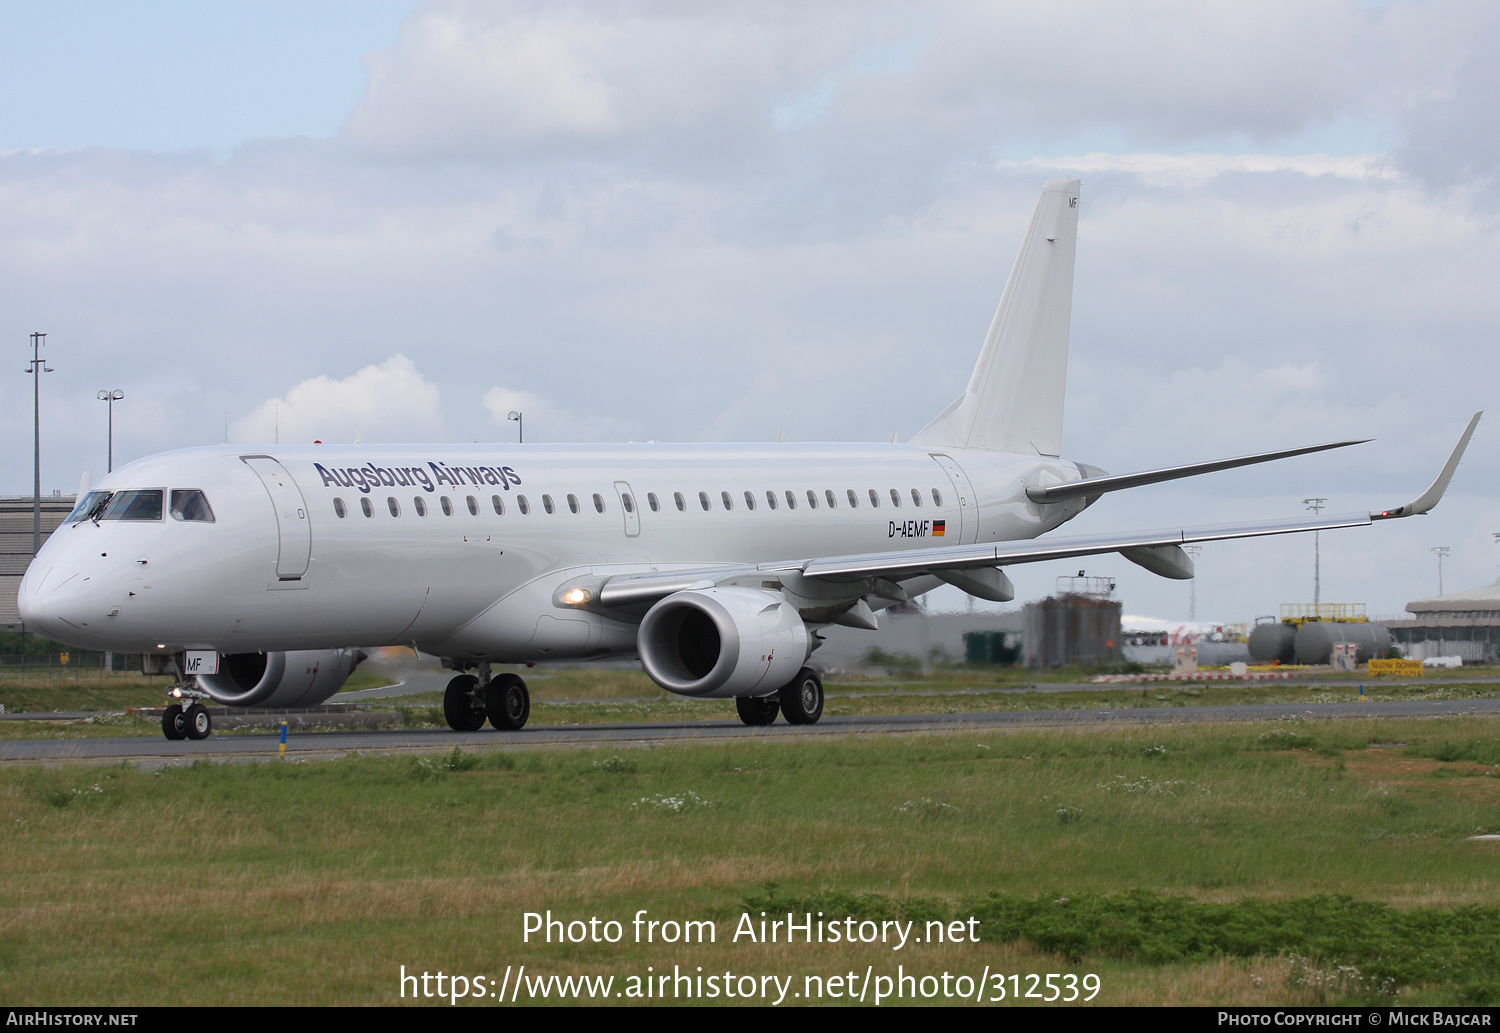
(459, 549)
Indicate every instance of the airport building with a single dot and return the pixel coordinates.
(15, 545)
(1465, 624)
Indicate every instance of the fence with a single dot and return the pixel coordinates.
(73, 665)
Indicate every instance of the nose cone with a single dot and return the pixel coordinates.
(39, 613)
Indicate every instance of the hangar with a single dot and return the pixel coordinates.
(1464, 624)
(15, 545)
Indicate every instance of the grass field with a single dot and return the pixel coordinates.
(1259, 864)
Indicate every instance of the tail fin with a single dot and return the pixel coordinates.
(1014, 401)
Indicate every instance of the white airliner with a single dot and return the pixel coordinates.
(262, 571)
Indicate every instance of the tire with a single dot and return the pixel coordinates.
(199, 724)
(174, 722)
(756, 711)
(802, 698)
(507, 702)
(462, 705)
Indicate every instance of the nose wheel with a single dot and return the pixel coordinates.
(190, 722)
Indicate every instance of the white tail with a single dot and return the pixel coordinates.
(1014, 401)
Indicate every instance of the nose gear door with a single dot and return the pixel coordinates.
(292, 525)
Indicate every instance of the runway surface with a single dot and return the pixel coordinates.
(150, 752)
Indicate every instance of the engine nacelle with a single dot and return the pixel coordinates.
(299, 678)
(718, 642)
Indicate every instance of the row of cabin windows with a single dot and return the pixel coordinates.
(829, 499)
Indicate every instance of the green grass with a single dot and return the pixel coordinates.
(313, 882)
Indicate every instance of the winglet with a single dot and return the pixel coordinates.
(1430, 497)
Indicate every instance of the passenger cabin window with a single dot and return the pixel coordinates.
(728, 502)
(523, 505)
(499, 504)
(853, 498)
(750, 501)
(703, 500)
(653, 502)
(916, 497)
(598, 503)
(627, 502)
(812, 499)
(771, 498)
(572, 503)
(473, 506)
(681, 502)
(339, 509)
(895, 498)
(874, 499)
(394, 506)
(133, 505)
(192, 506)
(791, 500)
(447, 506)
(420, 505)
(831, 498)
(547, 504)
(937, 497)
(365, 507)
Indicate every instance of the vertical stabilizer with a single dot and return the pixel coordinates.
(1014, 401)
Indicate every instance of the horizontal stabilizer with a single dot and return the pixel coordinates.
(1091, 486)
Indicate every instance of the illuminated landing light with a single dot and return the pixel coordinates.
(577, 596)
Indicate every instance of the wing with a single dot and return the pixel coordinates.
(1157, 551)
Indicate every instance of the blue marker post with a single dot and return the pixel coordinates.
(283, 739)
(1361, 693)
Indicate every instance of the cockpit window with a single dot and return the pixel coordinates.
(191, 505)
(89, 507)
(134, 505)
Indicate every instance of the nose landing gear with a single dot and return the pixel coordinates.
(190, 722)
(504, 700)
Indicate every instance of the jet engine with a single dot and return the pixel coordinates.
(720, 642)
(299, 678)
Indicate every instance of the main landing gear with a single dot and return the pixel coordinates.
(800, 700)
(503, 700)
(190, 722)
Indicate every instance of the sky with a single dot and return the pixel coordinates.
(668, 221)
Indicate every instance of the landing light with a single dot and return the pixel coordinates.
(577, 596)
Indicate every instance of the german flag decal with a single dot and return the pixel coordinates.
(938, 527)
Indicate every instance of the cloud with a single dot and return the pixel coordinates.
(391, 401)
(548, 421)
(1197, 169)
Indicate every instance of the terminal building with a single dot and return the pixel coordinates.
(15, 545)
(1465, 624)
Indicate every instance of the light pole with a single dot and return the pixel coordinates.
(1440, 551)
(1316, 505)
(520, 425)
(36, 369)
(111, 397)
(1194, 551)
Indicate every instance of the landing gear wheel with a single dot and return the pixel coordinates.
(173, 722)
(507, 702)
(757, 710)
(802, 698)
(198, 723)
(462, 706)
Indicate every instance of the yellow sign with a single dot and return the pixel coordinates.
(62, 658)
(1406, 668)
